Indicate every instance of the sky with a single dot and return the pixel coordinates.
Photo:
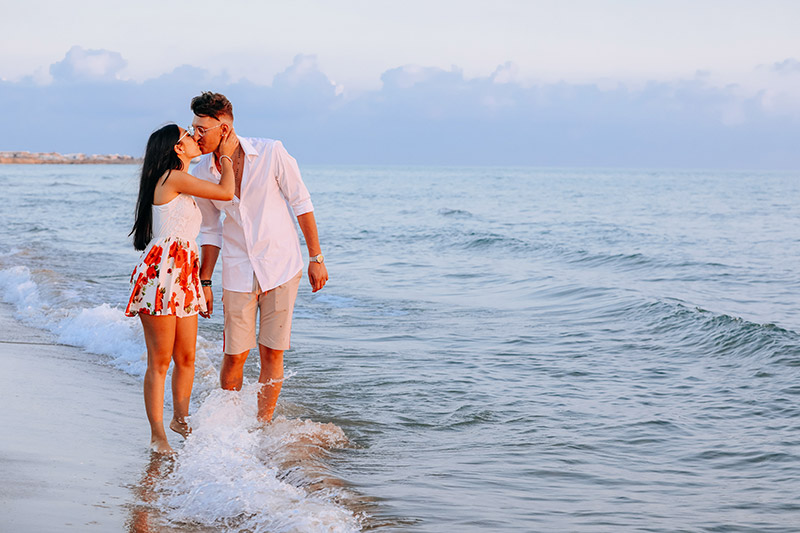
(611, 83)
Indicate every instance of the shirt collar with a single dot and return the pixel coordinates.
(247, 146)
(210, 163)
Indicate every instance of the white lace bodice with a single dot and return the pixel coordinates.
(180, 217)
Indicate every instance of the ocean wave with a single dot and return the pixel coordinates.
(630, 260)
(545, 245)
(720, 334)
(236, 473)
(105, 330)
(21, 291)
(642, 261)
(102, 329)
(477, 241)
(455, 213)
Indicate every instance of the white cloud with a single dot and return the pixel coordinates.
(88, 65)
(303, 69)
(420, 115)
(787, 66)
(505, 73)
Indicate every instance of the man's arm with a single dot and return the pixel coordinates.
(317, 272)
(295, 192)
(208, 259)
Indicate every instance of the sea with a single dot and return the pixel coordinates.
(497, 349)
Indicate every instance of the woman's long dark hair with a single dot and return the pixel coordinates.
(159, 157)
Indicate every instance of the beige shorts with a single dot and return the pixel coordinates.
(275, 325)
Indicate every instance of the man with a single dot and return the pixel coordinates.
(261, 259)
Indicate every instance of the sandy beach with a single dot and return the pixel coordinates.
(74, 436)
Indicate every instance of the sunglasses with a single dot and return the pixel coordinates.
(200, 130)
(185, 133)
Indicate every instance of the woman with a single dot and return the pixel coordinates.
(166, 292)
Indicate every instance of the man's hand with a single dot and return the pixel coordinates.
(209, 294)
(317, 275)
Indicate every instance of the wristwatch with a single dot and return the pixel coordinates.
(316, 259)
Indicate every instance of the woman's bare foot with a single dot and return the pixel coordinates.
(180, 427)
(161, 446)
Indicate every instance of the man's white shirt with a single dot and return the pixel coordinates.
(257, 234)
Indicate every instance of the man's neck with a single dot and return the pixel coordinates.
(238, 147)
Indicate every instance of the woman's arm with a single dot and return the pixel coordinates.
(188, 184)
(182, 182)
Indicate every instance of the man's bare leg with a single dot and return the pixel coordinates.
(232, 371)
(272, 378)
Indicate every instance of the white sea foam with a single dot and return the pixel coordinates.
(107, 331)
(102, 330)
(236, 473)
(20, 290)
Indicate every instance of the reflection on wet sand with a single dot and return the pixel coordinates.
(144, 517)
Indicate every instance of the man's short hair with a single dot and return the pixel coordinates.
(212, 105)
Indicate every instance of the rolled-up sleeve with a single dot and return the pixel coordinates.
(211, 228)
(290, 182)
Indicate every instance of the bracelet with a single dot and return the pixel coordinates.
(225, 157)
(205, 282)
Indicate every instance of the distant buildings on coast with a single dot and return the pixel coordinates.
(54, 158)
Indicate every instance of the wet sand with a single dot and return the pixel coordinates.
(74, 436)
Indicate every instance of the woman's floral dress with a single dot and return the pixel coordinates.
(167, 279)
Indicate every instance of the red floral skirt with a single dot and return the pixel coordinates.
(167, 280)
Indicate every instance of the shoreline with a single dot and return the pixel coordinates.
(55, 158)
(75, 453)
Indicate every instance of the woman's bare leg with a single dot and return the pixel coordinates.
(159, 335)
(183, 372)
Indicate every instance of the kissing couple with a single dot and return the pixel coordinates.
(237, 199)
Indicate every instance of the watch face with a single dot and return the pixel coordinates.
(319, 258)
